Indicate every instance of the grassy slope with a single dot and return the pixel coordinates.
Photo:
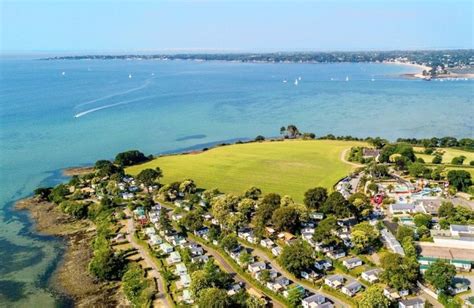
(289, 167)
(448, 155)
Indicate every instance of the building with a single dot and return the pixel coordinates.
(276, 251)
(402, 208)
(371, 275)
(256, 267)
(351, 288)
(323, 265)
(181, 269)
(352, 262)
(313, 301)
(185, 280)
(392, 242)
(462, 230)
(267, 243)
(174, 258)
(412, 303)
(334, 281)
(463, 265)
(336, 254)
(166, 248)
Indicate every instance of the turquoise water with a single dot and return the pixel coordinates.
(177, 104)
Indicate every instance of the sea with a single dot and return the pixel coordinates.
(62, 113)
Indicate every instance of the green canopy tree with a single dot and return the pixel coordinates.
(440, 274)
(373, 297)
(286, 219)
(315, 197)
(149, 176)
(297, 257)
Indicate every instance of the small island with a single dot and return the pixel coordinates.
(283, 222)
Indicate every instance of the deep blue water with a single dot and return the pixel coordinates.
(50, 120)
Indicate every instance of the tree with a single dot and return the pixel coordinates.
(437, 159)
(294, 297)
(148, 177)
(129, 158)
(364, 236)
(187, 187)
(404, 231)
(292, 131)
(253, 193)
(315, 197)
(260, 138)
(458, 160)
(297, 257)
(246, 206)
(213, 298)
(76, 209)
(361, 204)
(373, 297)
(440, 275)
(421, 219)
(234, 221)
(267, 206)
(324, 229)
(43, 192)
(282, 130)
(399, 272)
(105, 263)
(254, 302)
(336, 204)
(58, 193)
(165, 222)
(229, 242)
(107, 168)
(136, 287)
(199, 281)
(287, 201)
(222, 207)
(286, 219)
(245, 258)
(416, 169)
(460, 179)
(265, 276)
(193, 220)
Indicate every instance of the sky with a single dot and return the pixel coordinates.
(233, 26)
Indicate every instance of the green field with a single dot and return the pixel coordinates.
(289, 168)
(448, 155)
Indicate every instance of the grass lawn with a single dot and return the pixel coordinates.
(448, 155)
(289, 168)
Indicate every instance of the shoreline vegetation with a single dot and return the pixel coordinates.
(433, 64)
(71, 278)
(78, 223)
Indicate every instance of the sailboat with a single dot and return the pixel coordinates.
(63, 73)
(130, 76)
(296, 82)
(299, 78)
(284, 81)
(347, 78)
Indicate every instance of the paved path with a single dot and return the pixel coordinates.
(343, 158)
(262, 255)
(160, 300)
(229, 269)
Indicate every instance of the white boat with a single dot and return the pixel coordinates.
(63, 73)
(130, 76)
(296, 82)
(347, 78)
(373, 79)
(299, 78)
(284, 81)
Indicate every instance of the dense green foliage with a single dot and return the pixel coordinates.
(297, 257)
(460, 179)
(440, 275)
(399, 272)
(130, 158)
(373, 297)
(315, 197)
(136, 287)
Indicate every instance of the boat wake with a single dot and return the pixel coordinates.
(143, 86)
(83, 113)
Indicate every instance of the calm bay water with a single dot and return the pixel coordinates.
(55, 114)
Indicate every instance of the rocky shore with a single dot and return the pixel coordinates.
(71, 277)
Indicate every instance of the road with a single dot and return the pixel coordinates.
(343, 158)
(262, 255)
(229, 269)
(160, 300)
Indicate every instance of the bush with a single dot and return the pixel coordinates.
(438, 159)
(459, 160)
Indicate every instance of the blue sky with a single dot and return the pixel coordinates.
(264, 25)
